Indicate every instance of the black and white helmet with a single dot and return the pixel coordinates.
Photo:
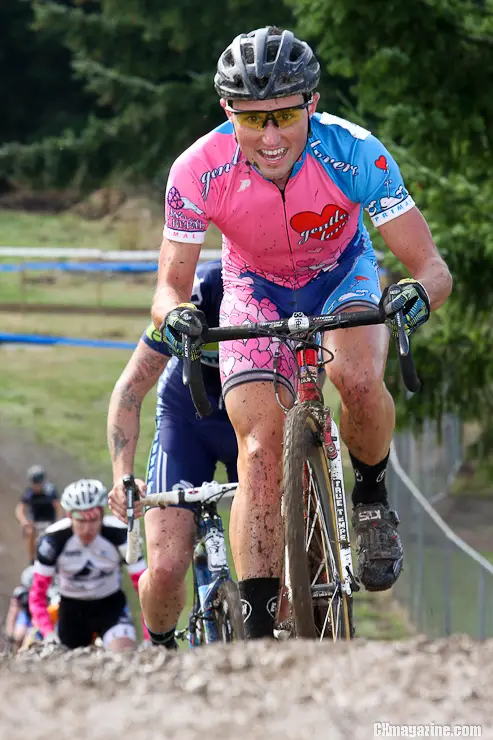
(266, 63)
(83, 494)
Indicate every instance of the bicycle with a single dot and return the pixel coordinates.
(216, 613)
(318, 574)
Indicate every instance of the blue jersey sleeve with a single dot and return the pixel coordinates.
(152, 337)
(379, 186)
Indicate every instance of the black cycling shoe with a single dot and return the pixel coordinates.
(378, 546)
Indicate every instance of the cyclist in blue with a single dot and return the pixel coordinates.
(184, 452)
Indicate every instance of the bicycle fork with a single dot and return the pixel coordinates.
(333, 452)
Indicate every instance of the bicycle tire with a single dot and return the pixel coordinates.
(304, 456)
(229, 615)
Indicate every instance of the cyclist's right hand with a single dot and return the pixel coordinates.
(184, 319)
(117, 500)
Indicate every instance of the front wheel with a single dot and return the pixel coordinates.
(320, 606)
(228, 613)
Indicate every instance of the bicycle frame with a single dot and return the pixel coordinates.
(302, 328)
(210, 569)
(210, 561)
(309, 390)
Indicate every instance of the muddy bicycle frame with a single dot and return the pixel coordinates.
(210, 564)
(302, 329)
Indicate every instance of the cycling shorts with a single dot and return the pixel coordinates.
(22, 620)
(185, 451)
(79, 621)
(249, 297)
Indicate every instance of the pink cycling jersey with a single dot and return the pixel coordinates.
(302, 249)
(286, 237)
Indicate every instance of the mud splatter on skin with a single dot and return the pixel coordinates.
(367, 413)
(169, 535)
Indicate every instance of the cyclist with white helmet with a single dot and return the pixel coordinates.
(86, 551)
(38, 508)
(18, 619)
(288, 188)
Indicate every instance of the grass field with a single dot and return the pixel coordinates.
(22, 229)
(61, 394)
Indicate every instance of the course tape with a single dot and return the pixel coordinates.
(8, 338)
(81, 266)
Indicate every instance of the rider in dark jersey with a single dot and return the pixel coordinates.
(185, 452)
(38, 508)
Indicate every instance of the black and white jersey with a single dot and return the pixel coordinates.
(85, 572)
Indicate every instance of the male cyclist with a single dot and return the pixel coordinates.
(86, 550)
(184, 453)
(287, 187)
(38, 508)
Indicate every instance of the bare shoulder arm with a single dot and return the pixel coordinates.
(123, 427)
(142, 370)
(410, 239)
(177, 265)
(21, 512)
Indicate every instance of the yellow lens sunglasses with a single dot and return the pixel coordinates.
(281, 118)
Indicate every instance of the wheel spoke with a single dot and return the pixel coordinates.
(318, 544)
(320, 568)
(319, 607)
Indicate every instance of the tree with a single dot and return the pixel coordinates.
(420, 77)
(150, 66)
(36, 77)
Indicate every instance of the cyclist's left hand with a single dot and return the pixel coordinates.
(410, 297)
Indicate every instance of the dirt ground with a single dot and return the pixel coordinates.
(288, 691)
(285, 691)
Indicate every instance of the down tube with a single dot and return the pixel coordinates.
(207, 588)
(341, 510)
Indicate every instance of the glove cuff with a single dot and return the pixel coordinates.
(420, 288)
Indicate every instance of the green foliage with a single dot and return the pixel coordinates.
(419, 76)
(150, 67)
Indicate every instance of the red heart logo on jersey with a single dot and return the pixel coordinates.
(324, 226)
(381, 163)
